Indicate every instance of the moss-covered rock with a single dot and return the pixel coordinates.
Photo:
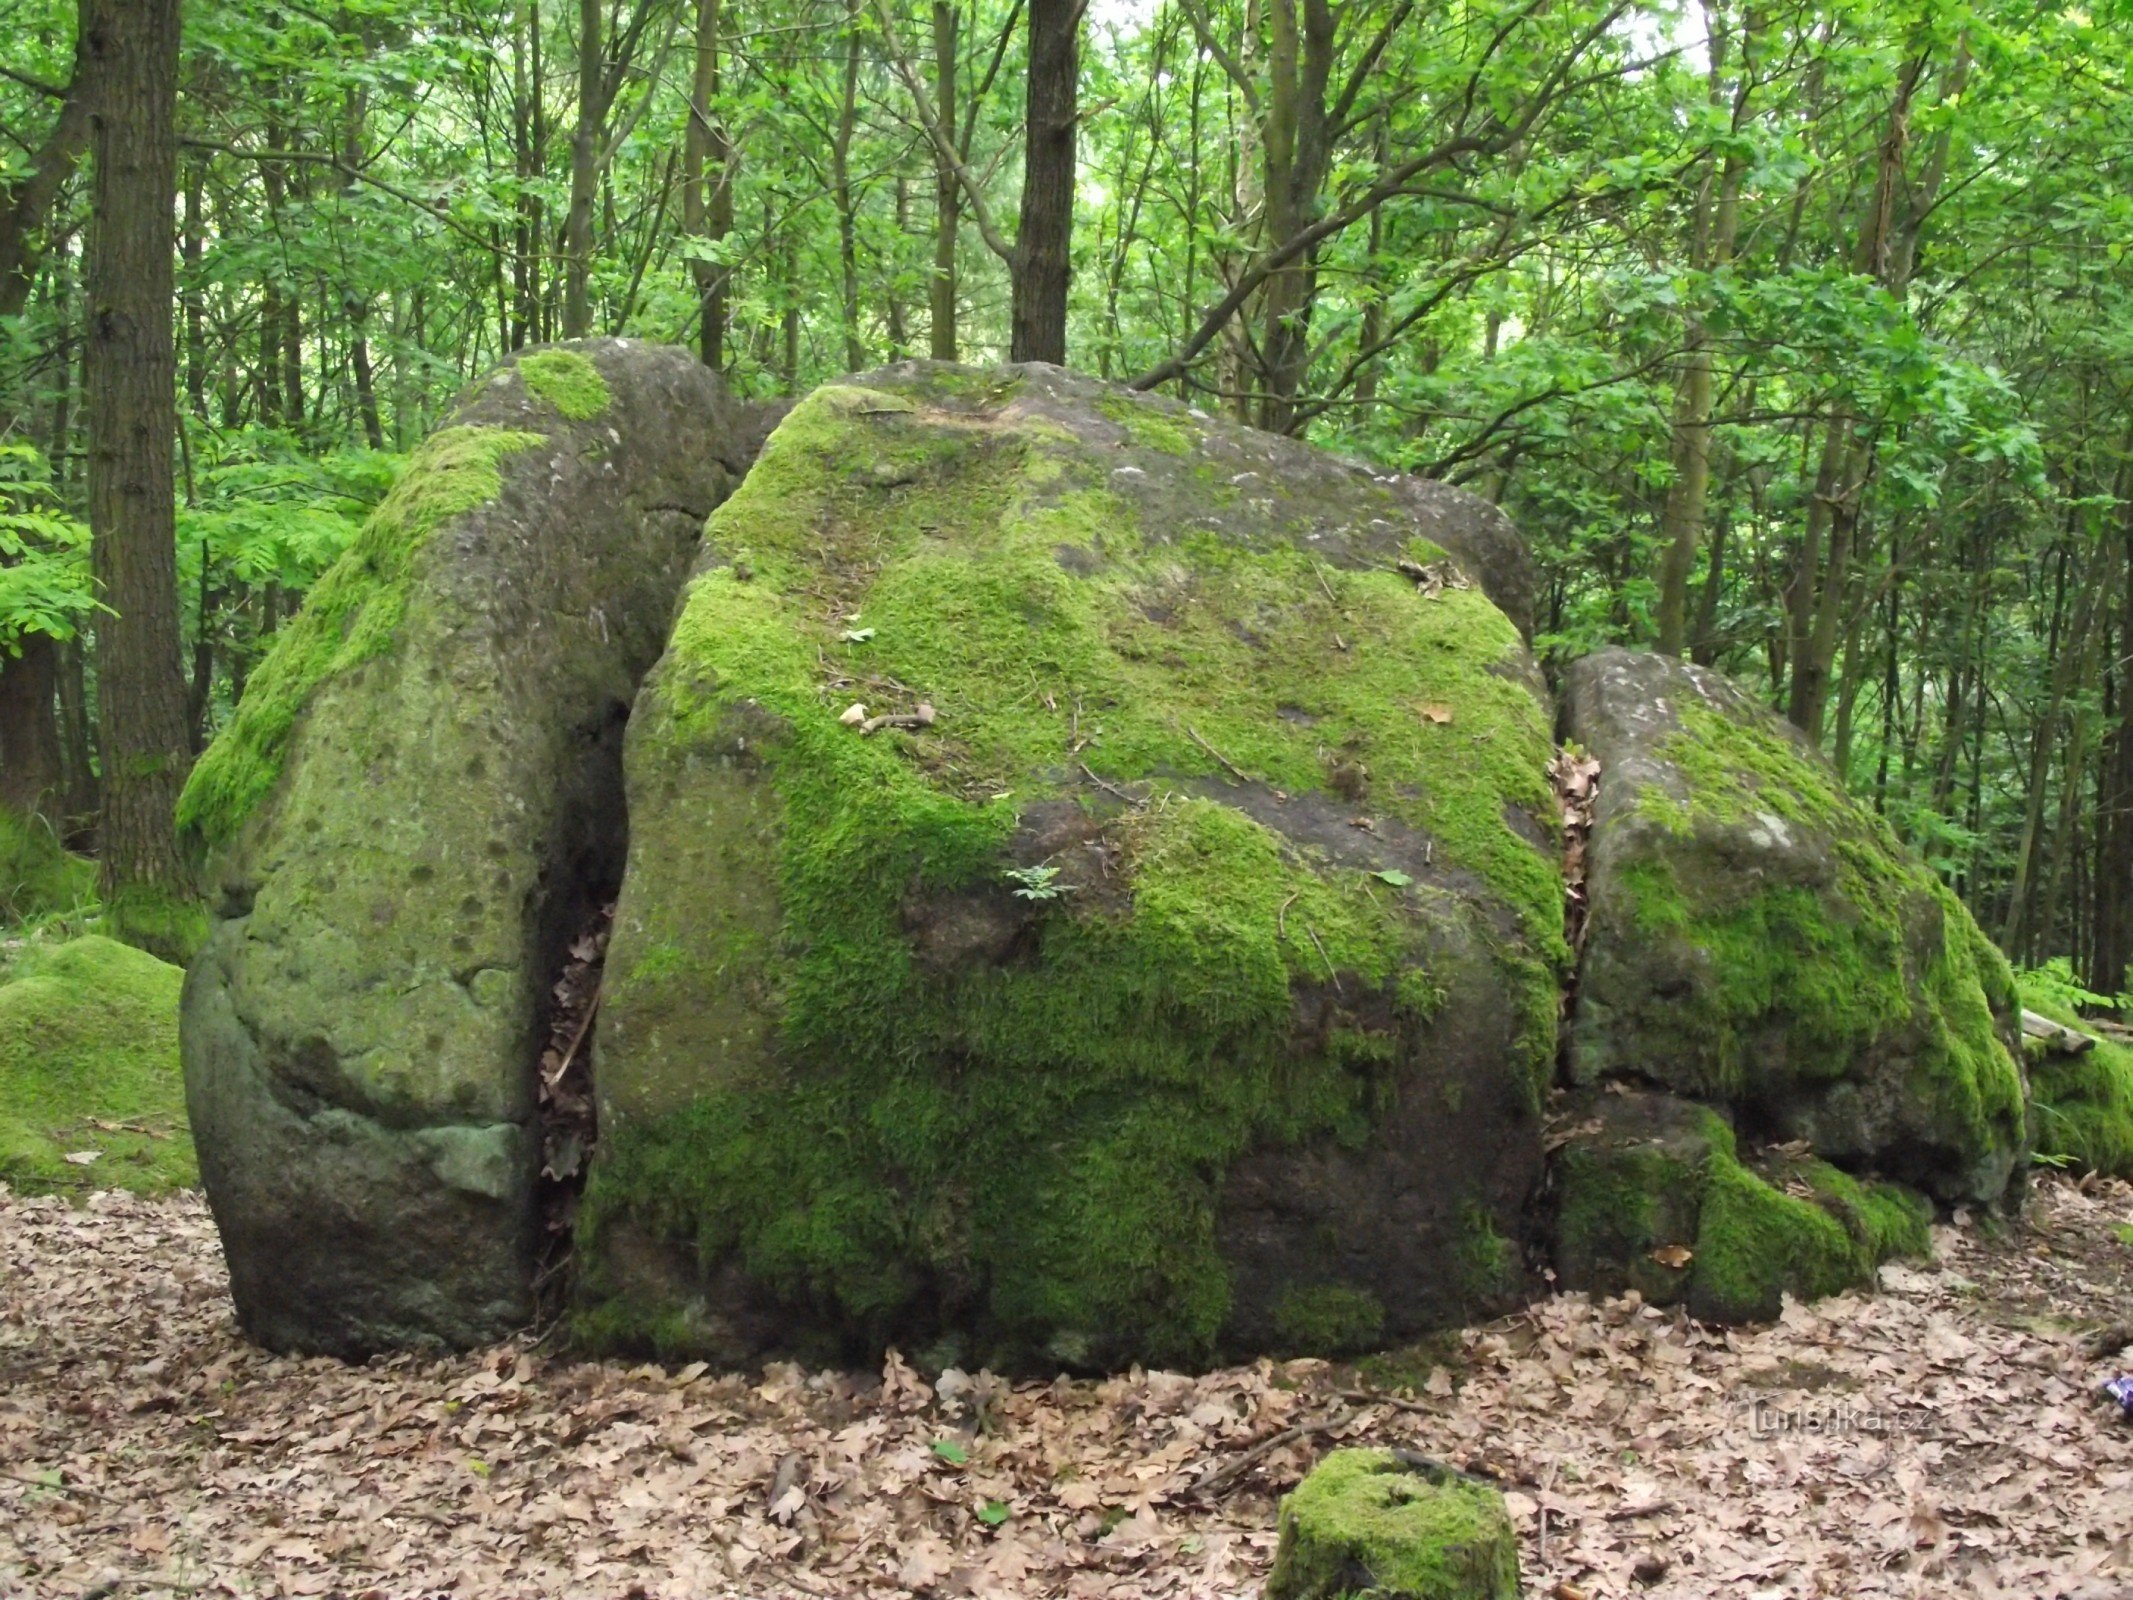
(1649, 1192)
(39, 876)
(1086, 901)
(1383, 1525)
(1759, 942)
(411, 811)
(2083, 1103)
(89, 1063)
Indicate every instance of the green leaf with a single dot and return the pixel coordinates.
(951, 1452)
(1399, 880)
(993, 1512)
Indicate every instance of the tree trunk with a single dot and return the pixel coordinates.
(855, 355)
(707, 186)
(2111, 942)
(132, 420)
(26, 202)
(32, 764)
(1044, 239)
(1715, 228)
(1296, 152)
(947, 191)
(584, 175)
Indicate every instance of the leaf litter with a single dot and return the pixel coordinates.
(1943, 1437)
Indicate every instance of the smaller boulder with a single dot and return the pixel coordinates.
(2083, 1096)
(90, 1096)
(1651, 1194)
(1759, 941)
(1391, 1525)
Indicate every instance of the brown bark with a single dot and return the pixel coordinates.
(132, 420)
(32, 765)
(1043, 263)
(584, 173)
(707, 185)
(842, 195)
(947, 190)
(26, 203)
(1296, 150)
(1714, 231)
(2111, 934)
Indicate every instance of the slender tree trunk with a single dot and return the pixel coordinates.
(1715, 229)
(707, 186)
(26, 201)
(2068, 646)
(899, 333)
(132, 421)
(855, 355)
(192, 248)
(584, 176)
(1043, 264)
(2111, 940)
(947, 191)
(1297, 151)
(32, 763)
(81, 801)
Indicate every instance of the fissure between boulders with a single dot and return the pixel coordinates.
(569, 1114)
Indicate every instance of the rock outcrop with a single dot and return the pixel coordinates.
(1760, 943)
(415, 804)
(1093, 897)
(1090, 892)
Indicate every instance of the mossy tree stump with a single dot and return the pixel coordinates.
(1377, 1525)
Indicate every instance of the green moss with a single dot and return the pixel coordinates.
(1488, 1262)
(2084, 1103)
(1884, 1220)
(1329, 1319)
(39, 877)
(1365, 1527)
(1148, 424)
(351, 615)
(1755, 1242)
(567, 381)
(89, 1062)
(169, 926)
(1619, 1201)
(1747, 1237)
(1046, 1137)
(1832, 971)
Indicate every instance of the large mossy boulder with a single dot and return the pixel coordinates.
(1093, 897)
(1390, 1525)
(90, 1096)
(1759, 942)
(411, 812)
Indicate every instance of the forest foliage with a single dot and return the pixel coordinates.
(1797, 337)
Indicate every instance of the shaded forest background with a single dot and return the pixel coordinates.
(1797, 338)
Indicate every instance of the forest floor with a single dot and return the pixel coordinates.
(1943, 1437)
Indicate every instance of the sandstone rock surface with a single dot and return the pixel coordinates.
(1093, 897)
(415, 804)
